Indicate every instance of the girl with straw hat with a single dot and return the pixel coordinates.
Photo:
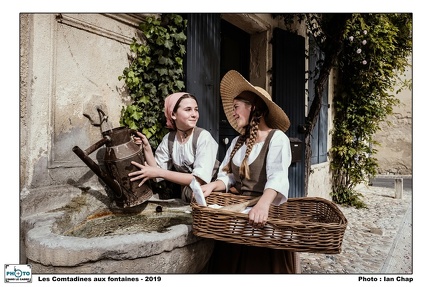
(187, 152)
(255, 164)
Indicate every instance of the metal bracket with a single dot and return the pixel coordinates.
(102, 117)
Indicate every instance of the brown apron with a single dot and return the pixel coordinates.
(229, 258)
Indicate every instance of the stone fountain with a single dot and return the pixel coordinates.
(87, 236)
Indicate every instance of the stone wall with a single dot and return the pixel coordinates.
(320, 181)
(396, 137)
(70, 64)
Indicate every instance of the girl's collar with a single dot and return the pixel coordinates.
(185, 133)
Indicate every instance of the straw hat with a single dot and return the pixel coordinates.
(232, 84)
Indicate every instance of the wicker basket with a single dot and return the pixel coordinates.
(306, 224)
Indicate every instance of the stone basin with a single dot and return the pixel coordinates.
(86, 236)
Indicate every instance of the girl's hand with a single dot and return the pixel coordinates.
(141, 139)
(208, 188)
(258, 215)
(146, 172)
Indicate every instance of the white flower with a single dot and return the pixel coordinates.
(364, 32)
(351, 38)
(364, 62)
(364, 42)
(359, 51)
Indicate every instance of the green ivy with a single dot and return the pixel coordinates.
(376, 50)
(155, 71)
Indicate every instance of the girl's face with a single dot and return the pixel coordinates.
(186, 115)
(241, 112)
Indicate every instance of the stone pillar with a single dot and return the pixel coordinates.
(398, 188)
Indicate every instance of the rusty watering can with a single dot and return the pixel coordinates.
(120, 150)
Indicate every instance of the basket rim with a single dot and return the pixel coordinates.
(277, 233)
(274, 221)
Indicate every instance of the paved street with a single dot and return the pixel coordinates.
(388, 181)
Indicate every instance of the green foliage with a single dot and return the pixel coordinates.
(348, 196)
(155, 71)
(376, 50)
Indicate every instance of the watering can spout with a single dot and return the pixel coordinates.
(84, 156)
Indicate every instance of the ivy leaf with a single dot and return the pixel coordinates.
(144, 99)
(162, 71)
(168, 44)
(180, 85)
(165, 61)
(180, 36)
(179, 60)
(155, 70)
(147, 133)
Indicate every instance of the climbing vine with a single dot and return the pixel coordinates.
(376, 51)
(155, 70)
(369, 52)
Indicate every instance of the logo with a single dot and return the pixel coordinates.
(18, 273)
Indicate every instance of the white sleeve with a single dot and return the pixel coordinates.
(227, 179)
(162, 155)
(206, 153)
(278, 162)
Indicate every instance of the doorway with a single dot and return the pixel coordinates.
(216, 46)
(235, 55)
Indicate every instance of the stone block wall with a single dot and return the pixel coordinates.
(395, 152)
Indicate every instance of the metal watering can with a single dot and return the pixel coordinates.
(120, 150)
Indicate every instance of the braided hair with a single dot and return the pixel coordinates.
(259, 109)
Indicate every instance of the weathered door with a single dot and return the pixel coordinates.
(235, 55)
(203, 67)
(213, 48)
(288, 84)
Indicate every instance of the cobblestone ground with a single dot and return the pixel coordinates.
(374, 241)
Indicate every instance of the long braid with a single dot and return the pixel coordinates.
(244, 167)
(239, 143)
(251, 131)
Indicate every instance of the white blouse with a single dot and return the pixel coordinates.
(202, 163)
(278, 162)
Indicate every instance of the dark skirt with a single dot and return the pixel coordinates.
(228, 258)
